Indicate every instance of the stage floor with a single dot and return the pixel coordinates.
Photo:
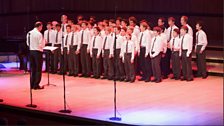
(171, 102)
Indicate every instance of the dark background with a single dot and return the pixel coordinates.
(18, 16)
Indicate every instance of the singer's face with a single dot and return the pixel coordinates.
(175, 34)
(40, 28)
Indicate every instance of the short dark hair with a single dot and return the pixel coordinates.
(49, 23)
(157, 28)
(144, 24)
(97, 28)
(85, 22)
(177, 31)
(200, 23)
(58, 25)
(69, 26)
(118, 28)
(125, 21)
(171, 19)
(124, 28)
(185, 28)
(119, 18)
(132, 18)
(112, 20)
(162, 28)
(162, 18)
(71, 20)
(38, 24)
(185, 18)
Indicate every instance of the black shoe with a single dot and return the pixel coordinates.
(141, 79)
(70, 74)
(126, 80)
(93, 76)
(86, 76)
(38, 88)
(158, 81)
(104, 77)
(53, 72)
(132, 81)
(147, 80)
(183, 79)
(165, 77)
(75, 75)
(204, 77)
(198, 75)
(82, 75)
(110, 78)
(97, 77)
(188, 80)
(121, 79)
(154, 80)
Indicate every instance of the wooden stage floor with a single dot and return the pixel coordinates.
(168, 103)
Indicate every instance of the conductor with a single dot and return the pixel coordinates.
(36, 44)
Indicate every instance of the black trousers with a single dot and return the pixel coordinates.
(96, 63)
(156, 67)
(145, 63)
(119, 66)
(137, 65)
(64, 61)
(175, 64)
(36, 61)
(73, 61)
(186, 65)
(201, 62)
(129, 67)
(85, 60)
(165, 63)
(57, 57)
(106, 59)
(23, 59)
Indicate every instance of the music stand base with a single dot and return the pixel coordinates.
(49, 85)
(31, 106)
(115, 118)
(65, 111)
(1, 100)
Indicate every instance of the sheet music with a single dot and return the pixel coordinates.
(50, 48)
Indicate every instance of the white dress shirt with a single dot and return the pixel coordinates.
(144, 38)
(136, 30)
(164, 40)
(120, 39)
(96, 43)
(63, 28)
(201, 39)
(67, 41)
(73, 40)
(190, 31)
(102, 33)
(86, 37)
(130, 48)
(156, 46)
(50, 34)
(35, 40)
(186, 43)
(134, 38)
(58, 37)
(107, 42)
(169, 33)
(175, 43)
